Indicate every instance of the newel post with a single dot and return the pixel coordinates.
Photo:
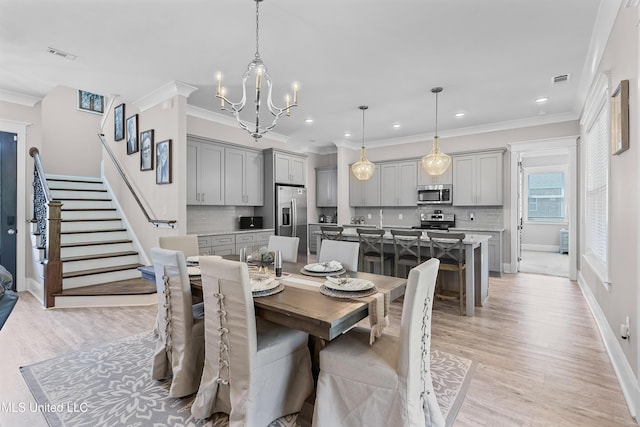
(52, 263)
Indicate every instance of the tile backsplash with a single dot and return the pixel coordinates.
(484, 217)
(204, 219)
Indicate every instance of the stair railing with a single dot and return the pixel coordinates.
(157, 222)
(47, 217)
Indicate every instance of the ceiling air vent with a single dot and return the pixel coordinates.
(560, 78)
(60, 53)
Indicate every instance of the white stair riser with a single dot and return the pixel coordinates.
(85, 204)
(89, 214)
(91, 225)
(90, 264)
(95, 279)
(80, 194)
(54, 185)
(95, 249)
(93, 237)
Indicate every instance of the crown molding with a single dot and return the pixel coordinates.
(19, 98)
(164, 93)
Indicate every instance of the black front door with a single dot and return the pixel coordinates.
(8, 224)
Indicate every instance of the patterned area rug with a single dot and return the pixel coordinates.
(111, 385)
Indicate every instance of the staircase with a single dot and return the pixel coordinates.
(99, 260)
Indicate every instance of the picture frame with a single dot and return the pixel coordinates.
(118, 123)
(90, 102)
(163, 159)
(620, 118)
(146, 150)
(132, 134)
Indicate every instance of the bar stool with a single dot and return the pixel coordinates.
(372, 247)
(449, 249)
(406, 248)
(331, 232)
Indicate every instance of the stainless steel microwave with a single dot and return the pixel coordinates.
(435, 194)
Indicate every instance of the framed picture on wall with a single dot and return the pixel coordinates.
(118, 123)
(132, 134)
(163, 157)
(146, 150)
(620, 118)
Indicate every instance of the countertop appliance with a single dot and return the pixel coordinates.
(250, 222)
(435, 194)
(291, 214)
(437, 221)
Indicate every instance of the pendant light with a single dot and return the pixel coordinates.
(436, 162)
(363, 169)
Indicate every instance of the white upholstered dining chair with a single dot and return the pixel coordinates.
(389, 382)
(288, 247)
(179, 348)
(347, 253)
(187, 244)
(255, 371)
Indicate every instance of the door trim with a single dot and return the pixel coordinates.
(20, 129)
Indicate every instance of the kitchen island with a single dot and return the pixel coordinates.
(476, 255)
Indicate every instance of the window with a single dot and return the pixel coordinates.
(545, 195)
(92, 102)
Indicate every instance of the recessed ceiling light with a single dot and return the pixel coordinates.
(308, 120)
(541, 100)
(396, 125)
(347, 134)
(459, 114)
(58, 52)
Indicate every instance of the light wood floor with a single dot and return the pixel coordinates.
(540, 359)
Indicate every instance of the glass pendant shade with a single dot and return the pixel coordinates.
(436, 162)
(363, 169)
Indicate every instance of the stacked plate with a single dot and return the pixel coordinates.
(263, 286)
(323, 269)
(346, 287)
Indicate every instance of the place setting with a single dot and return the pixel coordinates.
(347, 287)
(193, 266)
(322, 269)
(264, 285)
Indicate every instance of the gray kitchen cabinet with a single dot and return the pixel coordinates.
(205, 174)
(290, 169)
(313, 238)
(326, 187)
(477, 179)
(365, 193)
(494, 246)
(425, 179)
(244, 177)
(246, 240)
(220, 244)
(398, 181)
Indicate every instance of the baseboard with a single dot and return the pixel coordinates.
(624, 373)
(36, 289)
(540, 248)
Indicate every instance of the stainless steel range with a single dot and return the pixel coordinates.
(437, 221)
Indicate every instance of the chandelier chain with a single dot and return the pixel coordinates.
(257, 29)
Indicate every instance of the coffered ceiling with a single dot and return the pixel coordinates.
(493, 58)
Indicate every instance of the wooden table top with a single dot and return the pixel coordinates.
(306, 309)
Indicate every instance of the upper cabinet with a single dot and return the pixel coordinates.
(289, 169)
(398, 181)
(244, 176)
(205, 174)
(326, 187)
(365, 193)
(425, 179)
(220, 174)
(477, 179)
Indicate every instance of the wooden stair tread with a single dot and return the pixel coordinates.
(104, 230)
(63, 209)
(83, 199)
(136, 286)
(102, 242)
(99, 256)
(94, 190)
(90, 219)
(100, 270)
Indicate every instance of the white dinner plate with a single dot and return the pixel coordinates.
(263, 284)
(193, 259)
(324, 267)
(194, 271)
(348, 284)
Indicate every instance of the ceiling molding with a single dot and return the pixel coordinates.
(164, 93)
(227, 120)
(18, 98)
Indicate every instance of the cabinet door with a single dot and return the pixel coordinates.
(356, 191)
(407, 182)
(234, 187)
(489, 179)
(326, 188)
(254, 178)
(282, 166)
(464, 181)
(211, 166)
(389, 184)
(297, 170)
(425, 179)
(371, 189)
(193, 180)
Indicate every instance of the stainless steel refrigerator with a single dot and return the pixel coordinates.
(291, 215)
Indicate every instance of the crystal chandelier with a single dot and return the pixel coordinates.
(363, 168)
(436, 162)
(257, 73)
